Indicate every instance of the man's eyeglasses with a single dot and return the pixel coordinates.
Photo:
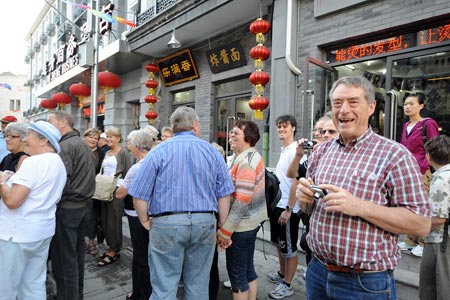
(330, 131)
(13, 136)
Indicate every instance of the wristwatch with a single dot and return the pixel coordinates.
(288, 208)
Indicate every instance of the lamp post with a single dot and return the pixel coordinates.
(94, 83)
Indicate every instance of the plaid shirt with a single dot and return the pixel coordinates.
(375, 169)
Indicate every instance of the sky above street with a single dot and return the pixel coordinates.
(16, 18)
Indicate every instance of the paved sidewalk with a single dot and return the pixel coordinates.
(114, 281)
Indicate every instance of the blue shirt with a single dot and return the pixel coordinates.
(3, 150)
(184, 173)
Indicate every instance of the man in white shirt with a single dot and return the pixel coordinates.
(285, 218)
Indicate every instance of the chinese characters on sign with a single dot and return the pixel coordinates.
(379, 47)
(226, 57)
(65, 59)
(434, 35)
(421, 38)
(177, 68)
(105, 25)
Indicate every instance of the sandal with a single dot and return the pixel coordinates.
(92, 250)
(108, 260)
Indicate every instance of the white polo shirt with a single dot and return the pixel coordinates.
(286, 157)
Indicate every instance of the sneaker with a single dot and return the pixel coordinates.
(281, 291)
(274, 278)
(227, 284)
(417, 251)
(404, 246)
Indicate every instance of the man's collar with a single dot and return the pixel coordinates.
(366, 135)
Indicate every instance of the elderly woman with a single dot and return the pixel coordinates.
(139, 143)
(115, 163)
(93, 222)
(248, 210)
(14, 134)
(27, 214)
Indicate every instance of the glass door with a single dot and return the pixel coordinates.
(230, 109)
(318, 79)
(427, 72)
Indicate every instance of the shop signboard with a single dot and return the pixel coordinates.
(65, 58)
(226, 57)
(177, 68)
(389, 45)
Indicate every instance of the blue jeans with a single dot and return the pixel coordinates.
(181, 244)
(240, 266)
(322, 284)
(67, 252)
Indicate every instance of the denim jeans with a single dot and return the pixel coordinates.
(240, 266)
(23, 269)
(181, 244)
(322, 284)
(67, 252)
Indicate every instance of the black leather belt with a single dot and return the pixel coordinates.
(181, 212)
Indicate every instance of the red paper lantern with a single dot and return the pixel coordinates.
(62, 99)
(258, 104)
(151, 99)
(108, 80)
(259, 54)
(151, 115)
(259, 79)
(80, 90)
(152, 68)
(48, 104)
(259, 27)
(151, 85)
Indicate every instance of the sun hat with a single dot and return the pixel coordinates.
(49, 131)
(153, 131)
(8, 119)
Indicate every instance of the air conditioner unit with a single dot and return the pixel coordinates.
(43, 39)
(37, 47)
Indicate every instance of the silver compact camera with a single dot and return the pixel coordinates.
(318, 192)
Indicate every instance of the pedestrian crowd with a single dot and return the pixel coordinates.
(185, 200)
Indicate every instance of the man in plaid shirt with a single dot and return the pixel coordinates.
(374, 192)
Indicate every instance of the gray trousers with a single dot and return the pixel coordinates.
(434, 282)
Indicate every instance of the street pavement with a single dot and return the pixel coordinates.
(114, 281)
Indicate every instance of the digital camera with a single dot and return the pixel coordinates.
(318, 192)
(308, 145)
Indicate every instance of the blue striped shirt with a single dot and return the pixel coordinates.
(184, 173)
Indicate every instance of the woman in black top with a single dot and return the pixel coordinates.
(14, 134)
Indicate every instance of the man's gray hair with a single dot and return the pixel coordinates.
(183, 119)
(358, 82)
(63, 115)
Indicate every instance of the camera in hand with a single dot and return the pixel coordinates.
(318, 192)
(309, 145)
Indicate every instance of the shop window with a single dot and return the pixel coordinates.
(184, 98)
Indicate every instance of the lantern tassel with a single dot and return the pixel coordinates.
(258, 114)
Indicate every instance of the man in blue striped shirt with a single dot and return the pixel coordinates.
(181, 184)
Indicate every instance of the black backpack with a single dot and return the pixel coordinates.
(273, 191)
(272, 188)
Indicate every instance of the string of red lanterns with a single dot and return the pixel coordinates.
(151, 98)
(259, 78)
